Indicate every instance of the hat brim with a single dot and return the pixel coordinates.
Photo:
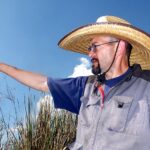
(79, 40)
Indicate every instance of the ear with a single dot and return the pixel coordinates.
(122, 47)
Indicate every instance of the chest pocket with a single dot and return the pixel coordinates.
(88, 110)
(116, 113)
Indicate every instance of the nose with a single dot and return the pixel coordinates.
(91, 54)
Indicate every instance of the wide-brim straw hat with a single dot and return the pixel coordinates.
(79, 39)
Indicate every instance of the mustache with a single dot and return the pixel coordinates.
(95, 66)
(94, 60)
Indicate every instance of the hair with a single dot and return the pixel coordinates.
(128, 51)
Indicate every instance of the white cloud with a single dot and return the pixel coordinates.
(46, 100)
(83, 69)
(15, 129)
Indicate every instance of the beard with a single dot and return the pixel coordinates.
(95, 66)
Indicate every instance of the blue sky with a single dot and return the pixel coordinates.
(31, 29)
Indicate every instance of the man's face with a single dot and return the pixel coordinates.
(101, 52)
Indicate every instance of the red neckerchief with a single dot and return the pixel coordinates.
(100, 89)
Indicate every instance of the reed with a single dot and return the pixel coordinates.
(50, 129)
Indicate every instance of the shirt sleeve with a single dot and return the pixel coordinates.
(67, 92)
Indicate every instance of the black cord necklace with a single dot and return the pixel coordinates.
(101, 77)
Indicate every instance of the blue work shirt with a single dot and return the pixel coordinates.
(67, 92)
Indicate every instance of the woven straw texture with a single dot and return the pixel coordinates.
(79, 39)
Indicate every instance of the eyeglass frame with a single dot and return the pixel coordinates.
(94, 46)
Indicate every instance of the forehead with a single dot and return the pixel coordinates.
(101, 38)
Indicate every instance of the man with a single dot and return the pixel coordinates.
(113, 106)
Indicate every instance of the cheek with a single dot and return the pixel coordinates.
(102, 56)
(104, 59)
(107, 55)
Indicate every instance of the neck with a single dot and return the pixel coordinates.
(117, 69)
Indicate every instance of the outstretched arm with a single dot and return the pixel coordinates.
(33, 80)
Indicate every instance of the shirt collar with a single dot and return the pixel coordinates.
(114, 81)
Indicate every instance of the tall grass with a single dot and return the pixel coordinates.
(50, 129)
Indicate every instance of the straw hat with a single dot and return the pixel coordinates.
(79, 39)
